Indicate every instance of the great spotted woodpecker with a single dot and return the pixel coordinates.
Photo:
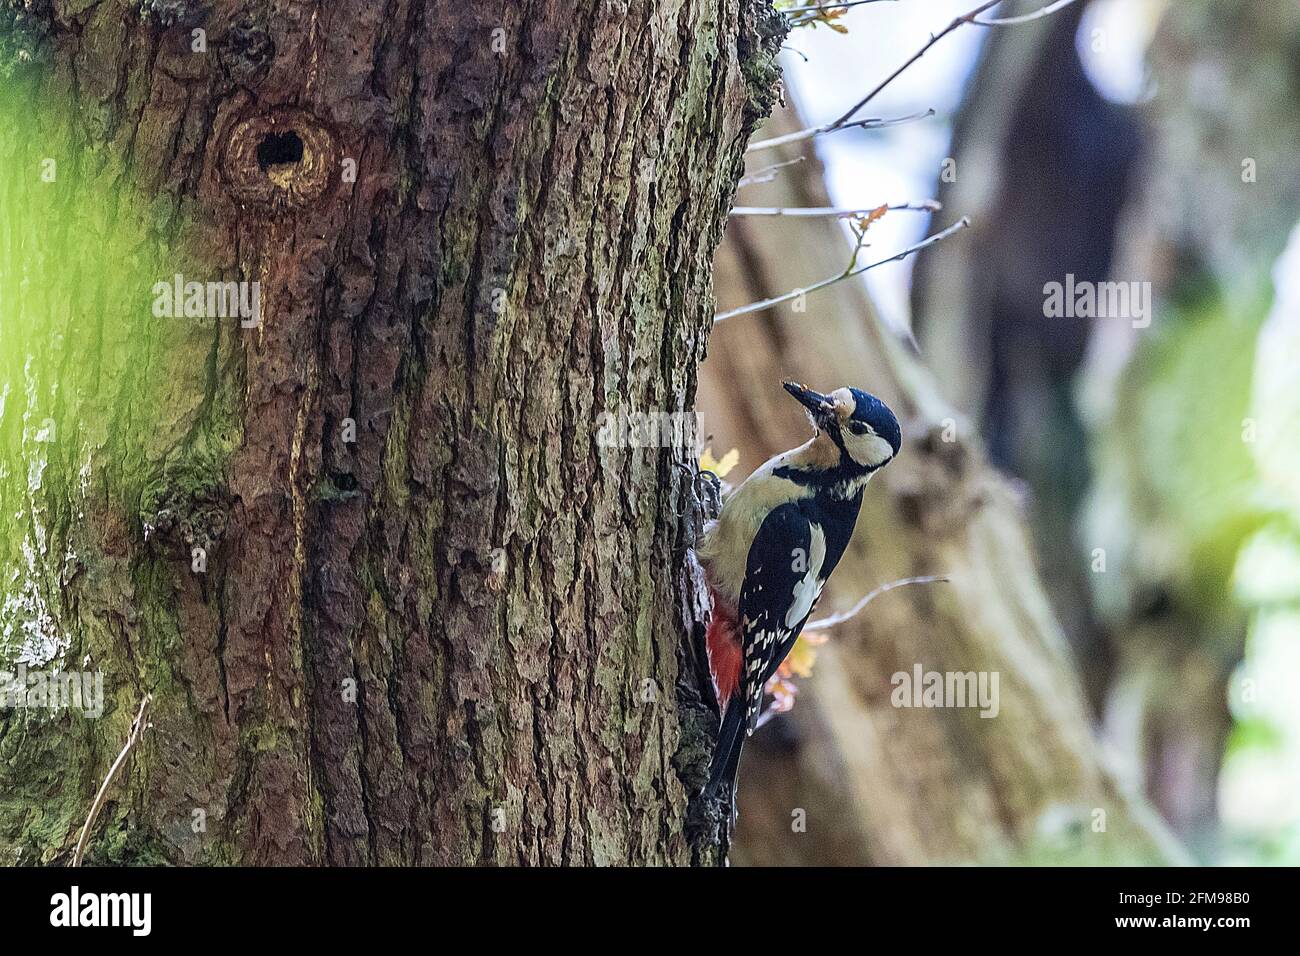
(770, 551)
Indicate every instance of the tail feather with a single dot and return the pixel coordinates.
(725, 662)
(726, 758)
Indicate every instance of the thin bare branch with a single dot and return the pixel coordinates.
(852, 612)
(934, 38)
(768, 173)
(1036, 15)
(137, 731)
(804, 134)
(770, 712)
(848, 273)
(846, 121)
(839, 212)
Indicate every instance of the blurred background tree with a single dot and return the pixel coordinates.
(1136, 613)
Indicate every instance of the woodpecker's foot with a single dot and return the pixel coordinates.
(708, 493)
(703, 501)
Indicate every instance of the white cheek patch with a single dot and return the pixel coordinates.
(807, 589)
(870, 450)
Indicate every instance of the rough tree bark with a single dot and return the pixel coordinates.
(878, 783)
(453, 637)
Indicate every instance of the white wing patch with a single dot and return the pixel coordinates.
(809, 586)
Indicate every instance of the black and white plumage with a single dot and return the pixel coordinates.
(773, 547)
(784, 577)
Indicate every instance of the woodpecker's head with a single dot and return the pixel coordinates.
(862, 427)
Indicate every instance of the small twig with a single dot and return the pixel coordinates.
(852, 612)
(846, 121)
(1036, 15)
(823, 12)
(137, 731)
(814, 212)
(766, 716)
(848, 273)
(934, 38)
(803, 134)
(768, 173)
(830, 5)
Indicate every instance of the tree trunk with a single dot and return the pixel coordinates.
(393, 600)
(848, 777)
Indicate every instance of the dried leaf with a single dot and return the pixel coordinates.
(863, 223)
(799, 662)
(719, 468)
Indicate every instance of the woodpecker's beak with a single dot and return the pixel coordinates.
(820, 406)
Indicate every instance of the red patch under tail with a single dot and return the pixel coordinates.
(724, 644)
